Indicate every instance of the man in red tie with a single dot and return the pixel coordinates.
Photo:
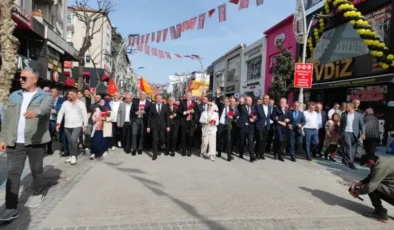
(188, 110)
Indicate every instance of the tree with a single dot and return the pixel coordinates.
(283, 73)
(93, 20)
(9, 49)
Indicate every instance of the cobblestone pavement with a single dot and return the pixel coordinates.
(126, 192)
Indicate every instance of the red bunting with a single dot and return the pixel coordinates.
(161, 54)
(188, 56)
(165, 32)
(178, 30)
(142, 39)
(132, 40)
(201, 21)
(147, 50)
(222, 12)
(153, 37)
(192, 23)
(168, 55)
(140, 47)
(184, 26)
(138, 40)
(234, 2)
(154, 52)
(173, 33)
(147, 38)
(244, 4)
(259, 2)
(178, 55)
(158, 38)
(210, 13)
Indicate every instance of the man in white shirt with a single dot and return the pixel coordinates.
(116, 131)
(76, 119)
(25, 133)
(310, 129)
(123, 122)
(333, 110)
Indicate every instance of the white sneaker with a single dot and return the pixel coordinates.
(68, 160)
(73, 160)
(120, 144)
(105, 154)
(113, 148)
(92, 156)
(212, 158)
(34, 201)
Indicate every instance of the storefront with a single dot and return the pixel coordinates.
(233, 60)
(281, 31)
(219, 73)
(253, 69)
(344, 69)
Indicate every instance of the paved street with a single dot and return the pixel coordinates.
(125, 192)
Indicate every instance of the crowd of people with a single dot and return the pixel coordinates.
(82, 120)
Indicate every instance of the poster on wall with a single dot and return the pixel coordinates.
(368, 93)
(381, 22)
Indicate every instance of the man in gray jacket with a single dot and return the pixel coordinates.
(379, 185)
(25, 134)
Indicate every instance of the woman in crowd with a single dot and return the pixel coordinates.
(209, 120)
(102, 130)
(332, 137)
(372, 132)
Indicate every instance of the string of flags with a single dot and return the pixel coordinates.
(176, 31)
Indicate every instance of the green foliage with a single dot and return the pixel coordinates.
(282, 83)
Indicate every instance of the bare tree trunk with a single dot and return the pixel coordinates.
(9, 49)
(81, 66)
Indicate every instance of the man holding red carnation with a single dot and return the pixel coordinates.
(188, 111)
(246, 125)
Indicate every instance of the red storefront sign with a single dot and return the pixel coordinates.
(303, 75)
(68, 64)
(22, 18)
(70, 81)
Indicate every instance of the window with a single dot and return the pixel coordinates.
(233, 70)
(69, 18)
(254, 68)
(69, 36)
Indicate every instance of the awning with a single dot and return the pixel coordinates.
(355, 82)
(86, 74)
(104, 77)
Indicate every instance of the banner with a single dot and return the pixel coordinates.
(222, 12)
(147, 38)
(154, 52)
(158, 38)
(161, 54)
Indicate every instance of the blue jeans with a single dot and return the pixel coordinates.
(311, 138)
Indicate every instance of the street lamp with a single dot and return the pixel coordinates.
(306, 31)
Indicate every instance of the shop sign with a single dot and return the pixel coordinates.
(70, 81)
(230, 88)
(372, 93)
(254, 52)
(354, 82)
(55, 47)
(25, 63)
(338, 69)
(54, 65)
(253, 83)
(68, 64)
(303, 75)
(21, 17)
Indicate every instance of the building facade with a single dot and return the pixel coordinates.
(219, 73)
(281, 31)
(253, 69)
(233, 64)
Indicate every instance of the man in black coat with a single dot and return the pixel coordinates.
(263, 126)
(246, 125)
(321, 121)
(158, 124)
(174, 116)
(139, 118)
(189, 115)
(280, 118)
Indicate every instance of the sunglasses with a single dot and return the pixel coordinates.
(24, 78)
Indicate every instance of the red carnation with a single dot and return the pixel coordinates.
(231, 113)
(175, 106)
(252, 115)
(213, 122)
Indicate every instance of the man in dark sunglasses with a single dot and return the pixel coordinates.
(25, 134)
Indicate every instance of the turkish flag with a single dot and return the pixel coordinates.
(140, 47)
(222, 12)
(178, 30)
(131, 41)
(168, 55)
(154, 52)
(138, 40)
(158, 38)
(201, 21)
(153, 37)
(147, 50)
(184, 26)
(165, 32)
(161, 54)
(234, 2)
(178, 55)
(210, 13)
(192, 23)
(147, 38)
(173, 32)
(142, 39)
(244, 4)
(259, 2)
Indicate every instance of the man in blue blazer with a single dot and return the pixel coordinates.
(352, 127)
(280, 119)
(297, 121)
(57, 104)
(263, 126)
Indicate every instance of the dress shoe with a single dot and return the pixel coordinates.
(262, 157)
(252, 159)
(378, 215)
(241, 156)
(139, 152)
(281, 158)
(167, 153)
(219, 155)
(183, 153)
(229, 158)
(352, 166)
(127, 151)
(154, 157)
(134, 152)
(189, 153)
(172, 153)
(292, 158)
(309, 158)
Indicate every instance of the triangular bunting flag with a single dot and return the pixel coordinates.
(153, 36)
(259, 2)
(184, 26)
(173, 32)
(161, 54)
(147, 50)
(178, 55)
(178, 30)
(147, 38)
(154, 52)
(234, 2)
(168, 55)
(210, 13)
(192, 23)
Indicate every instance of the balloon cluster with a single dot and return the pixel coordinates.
(377, 48)
(319, 28)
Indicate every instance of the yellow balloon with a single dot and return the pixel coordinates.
(379, 54)
(390, 57)
(352, 22)
(385, 66)
(361, 31)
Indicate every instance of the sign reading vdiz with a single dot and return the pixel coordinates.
(334, 70)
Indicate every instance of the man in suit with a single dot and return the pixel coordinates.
(321, 121)
(57, 104)
(246, 125)
(138, 117)
(172, 136)
(263, 126)
(297, 121)
(280, 119)
(352, 127)
(234, 131)
(188, 110)
(123, 122)
(203, 106)
(158, 124)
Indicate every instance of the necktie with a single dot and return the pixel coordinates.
(225, 115)
(248, 109)
(295, 114)
(159, 109)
